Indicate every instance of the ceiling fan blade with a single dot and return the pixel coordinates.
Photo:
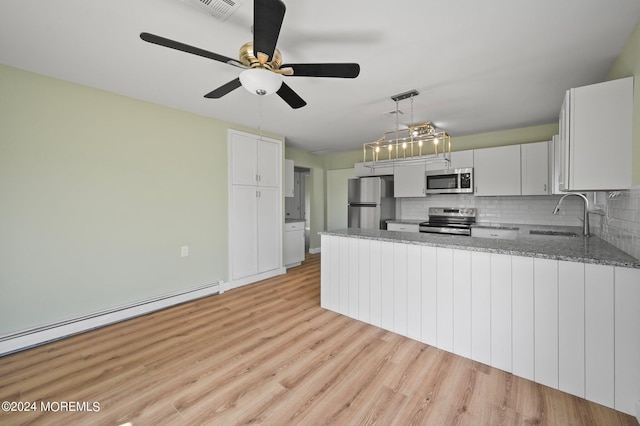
(172, 44)
(290, 97)
(337, 70)
(267, 21)
(224, 89)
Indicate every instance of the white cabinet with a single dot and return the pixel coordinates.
(403, 227)
(369, 169)
(546, 321)
(254, 160)
(410, 180)
(288, 178)
(497, 170)
(461, 159)
(569, 325)
(255, 208)
(535, 168)
(293, 243)
(595, 140)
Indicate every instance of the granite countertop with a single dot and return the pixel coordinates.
(407, 221)
(293, 220)
(574, 249)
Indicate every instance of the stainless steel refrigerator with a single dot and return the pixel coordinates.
(371, 202)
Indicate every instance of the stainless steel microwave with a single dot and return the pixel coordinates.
(450, 181)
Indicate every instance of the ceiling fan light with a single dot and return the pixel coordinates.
(260, 81)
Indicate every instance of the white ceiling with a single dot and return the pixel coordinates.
(479, 66)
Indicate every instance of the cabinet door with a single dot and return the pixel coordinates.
(409, 181)
(501, 312)
(571, 317)
(269, 236)
(288, 178)
(461, 159)
(627, 339)
(546, 321)
(522, 308)
(462, 303)
(243, 223)
(444, 297)
(243, 158)
(497, 170)
(481, 307)
(601, 161)
(599, 332)
(535, 168)
(268, 163)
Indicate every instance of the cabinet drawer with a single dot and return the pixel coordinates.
(293, 226)
(406, 227)
(506, 234)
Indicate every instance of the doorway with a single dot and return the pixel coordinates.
(298, 206)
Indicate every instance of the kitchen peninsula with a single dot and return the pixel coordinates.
(561, 311)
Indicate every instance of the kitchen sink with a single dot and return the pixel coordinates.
(553, 233)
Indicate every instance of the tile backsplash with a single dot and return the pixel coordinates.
(617, 222)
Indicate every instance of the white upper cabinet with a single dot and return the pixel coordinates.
(596, 137)
(254, 160)
(288, 178)
(410, 181)
(461, 159)
(497, 170)
(535, 168)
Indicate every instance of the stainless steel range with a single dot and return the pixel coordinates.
(449, 220)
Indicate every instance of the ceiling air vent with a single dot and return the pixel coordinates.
(220, 9)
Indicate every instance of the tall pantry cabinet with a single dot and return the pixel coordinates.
(255, 208)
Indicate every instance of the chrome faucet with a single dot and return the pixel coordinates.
(585, 218)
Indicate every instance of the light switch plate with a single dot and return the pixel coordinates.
(184, 251)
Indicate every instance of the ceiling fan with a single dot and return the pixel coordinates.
(261, 61)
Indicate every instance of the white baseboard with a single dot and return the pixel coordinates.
(26, 339)
(315, 250)
(253, 278)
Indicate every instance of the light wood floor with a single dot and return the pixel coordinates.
(268, 354)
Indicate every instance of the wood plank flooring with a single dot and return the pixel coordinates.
(267, 353)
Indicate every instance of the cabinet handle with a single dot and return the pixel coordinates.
(256, 178)
(545, 187)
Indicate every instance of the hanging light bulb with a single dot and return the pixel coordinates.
(435, 144)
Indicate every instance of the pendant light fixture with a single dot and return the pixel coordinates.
(405, 141)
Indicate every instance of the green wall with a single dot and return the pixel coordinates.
(98, 192)
(627, 65)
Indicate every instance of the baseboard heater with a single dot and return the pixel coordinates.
(25, 339)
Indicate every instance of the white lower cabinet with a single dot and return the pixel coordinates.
(568, 325)
(571, 328)
(599, 334)
(627, 339)
(522, 321)
(481, 307)
(545, 285)
(293, 243)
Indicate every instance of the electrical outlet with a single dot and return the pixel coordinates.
(184, 251)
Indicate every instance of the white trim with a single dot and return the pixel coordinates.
(25, 339)
(315, 250)
(253, 278)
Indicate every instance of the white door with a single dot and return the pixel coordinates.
(269, 235)
(243, 156)
(268, 163)
(243, 244)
